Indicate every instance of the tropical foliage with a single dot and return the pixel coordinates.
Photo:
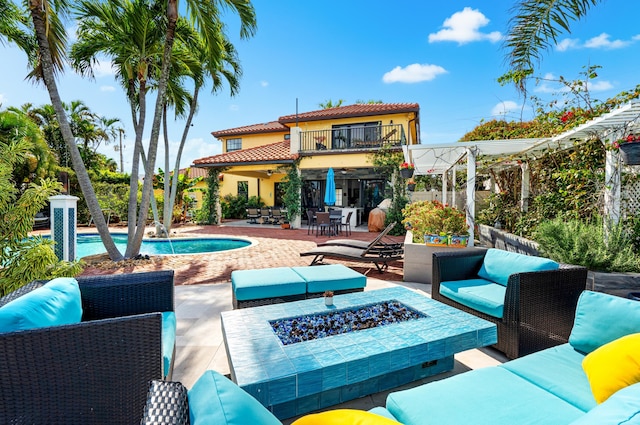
(24, 259)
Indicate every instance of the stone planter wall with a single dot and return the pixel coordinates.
(496, 238)
(418, 260)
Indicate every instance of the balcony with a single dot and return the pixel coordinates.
(368, 137)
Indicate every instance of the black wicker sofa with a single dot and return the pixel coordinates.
(92, 372)
(539, 306)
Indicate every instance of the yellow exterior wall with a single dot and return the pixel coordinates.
(354, 160)
(254, 140)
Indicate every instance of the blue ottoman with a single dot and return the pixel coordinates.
(266, 286)
(331, 277)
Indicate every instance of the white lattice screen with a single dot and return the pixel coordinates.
(631, 198)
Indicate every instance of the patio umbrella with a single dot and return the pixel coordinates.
(330, 190)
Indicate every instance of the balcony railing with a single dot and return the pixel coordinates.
(352, 138)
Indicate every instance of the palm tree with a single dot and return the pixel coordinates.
(47, 18)
(331, 104)
(206, 19)
(535, 27)
(225, 68)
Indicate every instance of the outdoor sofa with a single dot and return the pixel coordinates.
(532, 300)
(591, 380)
(82, 351)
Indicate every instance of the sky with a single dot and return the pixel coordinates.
(444, 55)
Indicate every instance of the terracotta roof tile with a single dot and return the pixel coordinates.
(358, 110)
(272, 153)
(269, 127)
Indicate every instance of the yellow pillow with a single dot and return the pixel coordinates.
(344, 417)
(613, 366)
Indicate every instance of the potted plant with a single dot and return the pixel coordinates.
(629, 149)
(406, 170)
(436, 224)
(411, 185)
(328, 298)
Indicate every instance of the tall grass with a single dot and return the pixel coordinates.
(587, 244)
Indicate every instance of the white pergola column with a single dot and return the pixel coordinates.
(453, 187)
(612, 187)
(525, 186)
(444, 187)
(470, 206)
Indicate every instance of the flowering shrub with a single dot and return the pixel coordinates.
(432, 217)
(407, 165)
(629, 139)
(411, 181)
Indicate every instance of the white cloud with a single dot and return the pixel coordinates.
(103, 69)
(504, 108)
(107, 88)
(2, 99)
(599, 85)
(264, 83)
(234, 108)
(414, 73)
(602, 42)
(464, 27)
(568, 43)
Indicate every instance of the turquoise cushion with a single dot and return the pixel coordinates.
(266, 283)
(623, 407)
(214, 399)
(491, 395)
(56, 303)
(498, 265)
(478, 294)
(330, 277)
(168, 339)
(559, 371)
(602, 318)
(381, 411)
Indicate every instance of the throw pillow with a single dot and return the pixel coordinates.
(344, 417)
(498, 265)
(56, 303)
(602, 318)
(613, 366)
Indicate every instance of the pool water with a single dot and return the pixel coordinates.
(91, 244)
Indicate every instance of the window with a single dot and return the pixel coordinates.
(243, 189)
(355, 135)
(234, 145)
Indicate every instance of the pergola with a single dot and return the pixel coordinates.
(439, 159)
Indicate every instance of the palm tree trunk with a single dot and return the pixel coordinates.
(172, 16)
(185, 133)
(135, 167)
(81, 172)
(167, 214)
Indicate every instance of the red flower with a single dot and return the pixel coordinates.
(567, 116)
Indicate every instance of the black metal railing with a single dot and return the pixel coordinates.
(352, 138)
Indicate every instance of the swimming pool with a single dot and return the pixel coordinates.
(90, 244)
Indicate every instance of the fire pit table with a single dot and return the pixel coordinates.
(295, 378)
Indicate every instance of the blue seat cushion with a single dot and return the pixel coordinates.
(330, 277)
(266, 283)
(602, 318)
(478, 294)
(483, 396)
(214, 399)
(623, 407)
(559, 371)
(58, 302)
(498, 265)
(168, 340)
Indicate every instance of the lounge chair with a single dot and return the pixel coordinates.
(379, 257)
(374, 246)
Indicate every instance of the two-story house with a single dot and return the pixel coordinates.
(342, 138)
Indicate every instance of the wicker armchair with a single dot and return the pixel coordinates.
(539, 307)
(93, 372)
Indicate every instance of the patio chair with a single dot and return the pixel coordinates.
(323, 223)
(276, 216)
(311, 221)
(379, 257)
(265, 215)
(95, 371)
(253, 215)
(375, 245)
